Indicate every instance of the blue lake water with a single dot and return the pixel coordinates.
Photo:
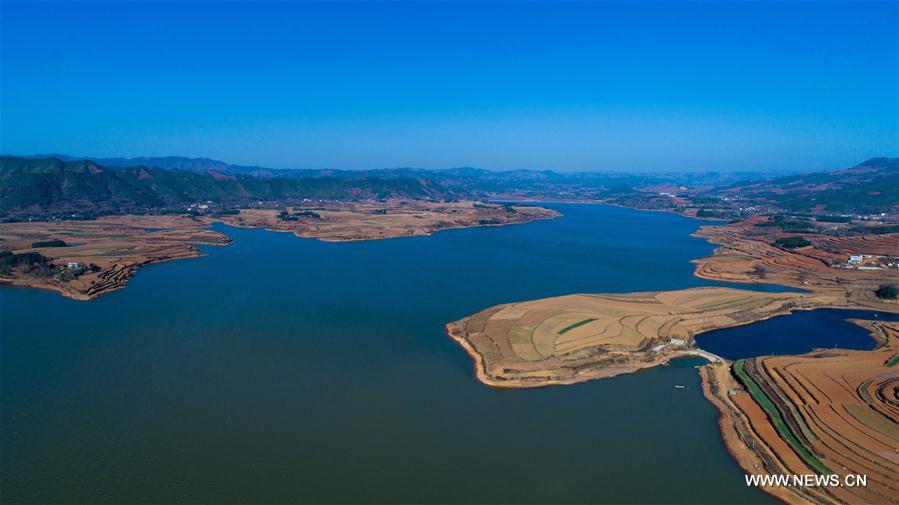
(285, 370)
(798, 333)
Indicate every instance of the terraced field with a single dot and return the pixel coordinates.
(830, 411)
(120, 245)
(580, 337)
(746, 255)
(117, 245)
(379, 220)
(840, 408)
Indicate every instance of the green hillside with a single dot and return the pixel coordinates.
(48, 185)
(868, 188)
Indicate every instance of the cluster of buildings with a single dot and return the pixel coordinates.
(200, 207)
(673, 342)
(871, 262)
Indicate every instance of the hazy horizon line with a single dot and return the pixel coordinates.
(61, 156)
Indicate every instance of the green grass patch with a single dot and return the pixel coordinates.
(893, 361)
(771, 410)
(575, 325)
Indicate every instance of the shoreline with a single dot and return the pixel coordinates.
(731, 438)
(675, 311)
(718, 220)
(839, 289)
(122, 245)
(742, 440)
(480, 366)
(339, 240)
(130, 272)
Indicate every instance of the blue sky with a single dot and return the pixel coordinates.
(567, 86)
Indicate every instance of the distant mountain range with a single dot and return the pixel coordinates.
(459, 176)
(49, 185)
(42, 184)
(473, 182)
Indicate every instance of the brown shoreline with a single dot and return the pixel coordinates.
(112, 249)
(742, 250)
(306, 234)
(731, 422)
(75, 295)
(738, 431)
(620, 206)
(480, 370)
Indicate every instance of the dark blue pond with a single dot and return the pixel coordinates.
(798, 333)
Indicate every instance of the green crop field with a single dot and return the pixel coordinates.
(575, 325)
(762, 399)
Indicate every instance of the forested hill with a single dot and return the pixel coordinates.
(47, 185)
(869, 187)
(476, 181)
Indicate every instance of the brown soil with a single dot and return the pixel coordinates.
(575, 338)
(746, 255)
(391, 219)
(119, 246)
(843, 405)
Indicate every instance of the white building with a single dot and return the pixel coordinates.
(678, 341)
(73, 265)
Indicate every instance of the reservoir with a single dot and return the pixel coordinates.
(285, 370)
(797, 333)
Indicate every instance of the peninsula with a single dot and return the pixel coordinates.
(828, 411)
(574, 338)
(83, 259)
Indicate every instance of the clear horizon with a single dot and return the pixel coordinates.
(774, 172)
(614, 87)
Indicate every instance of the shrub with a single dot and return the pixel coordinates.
(49, 243)
(791, 242)
(8, 260)
(833, 219)
(886, 291)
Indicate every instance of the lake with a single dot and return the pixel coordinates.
(797, 333)
(286, 370)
